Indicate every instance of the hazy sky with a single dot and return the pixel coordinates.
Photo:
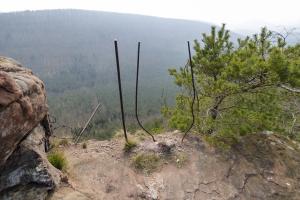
(238, 14)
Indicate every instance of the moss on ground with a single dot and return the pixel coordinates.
(146, 162)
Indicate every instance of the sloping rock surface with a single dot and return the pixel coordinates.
(25, 172)
(260, 167)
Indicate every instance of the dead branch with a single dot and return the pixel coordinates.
(295, 90)
(87, 123)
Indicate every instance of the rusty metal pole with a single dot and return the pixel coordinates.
(120, 89)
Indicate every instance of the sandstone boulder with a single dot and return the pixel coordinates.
(25, 172)
(22, 105)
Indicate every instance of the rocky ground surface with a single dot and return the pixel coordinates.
(263, 166)
(25, 172)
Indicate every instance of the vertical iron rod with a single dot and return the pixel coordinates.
(120, 89)
(136, 92)
(194, 93)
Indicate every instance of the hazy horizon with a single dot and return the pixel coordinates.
(238, 15)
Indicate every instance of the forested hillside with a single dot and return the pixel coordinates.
(72, 51)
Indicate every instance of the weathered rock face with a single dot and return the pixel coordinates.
(25, 172)
(22, 105)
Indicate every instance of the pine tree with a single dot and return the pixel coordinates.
(241, 89)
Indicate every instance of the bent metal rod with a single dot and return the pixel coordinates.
(136, 92)
(194, 93)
